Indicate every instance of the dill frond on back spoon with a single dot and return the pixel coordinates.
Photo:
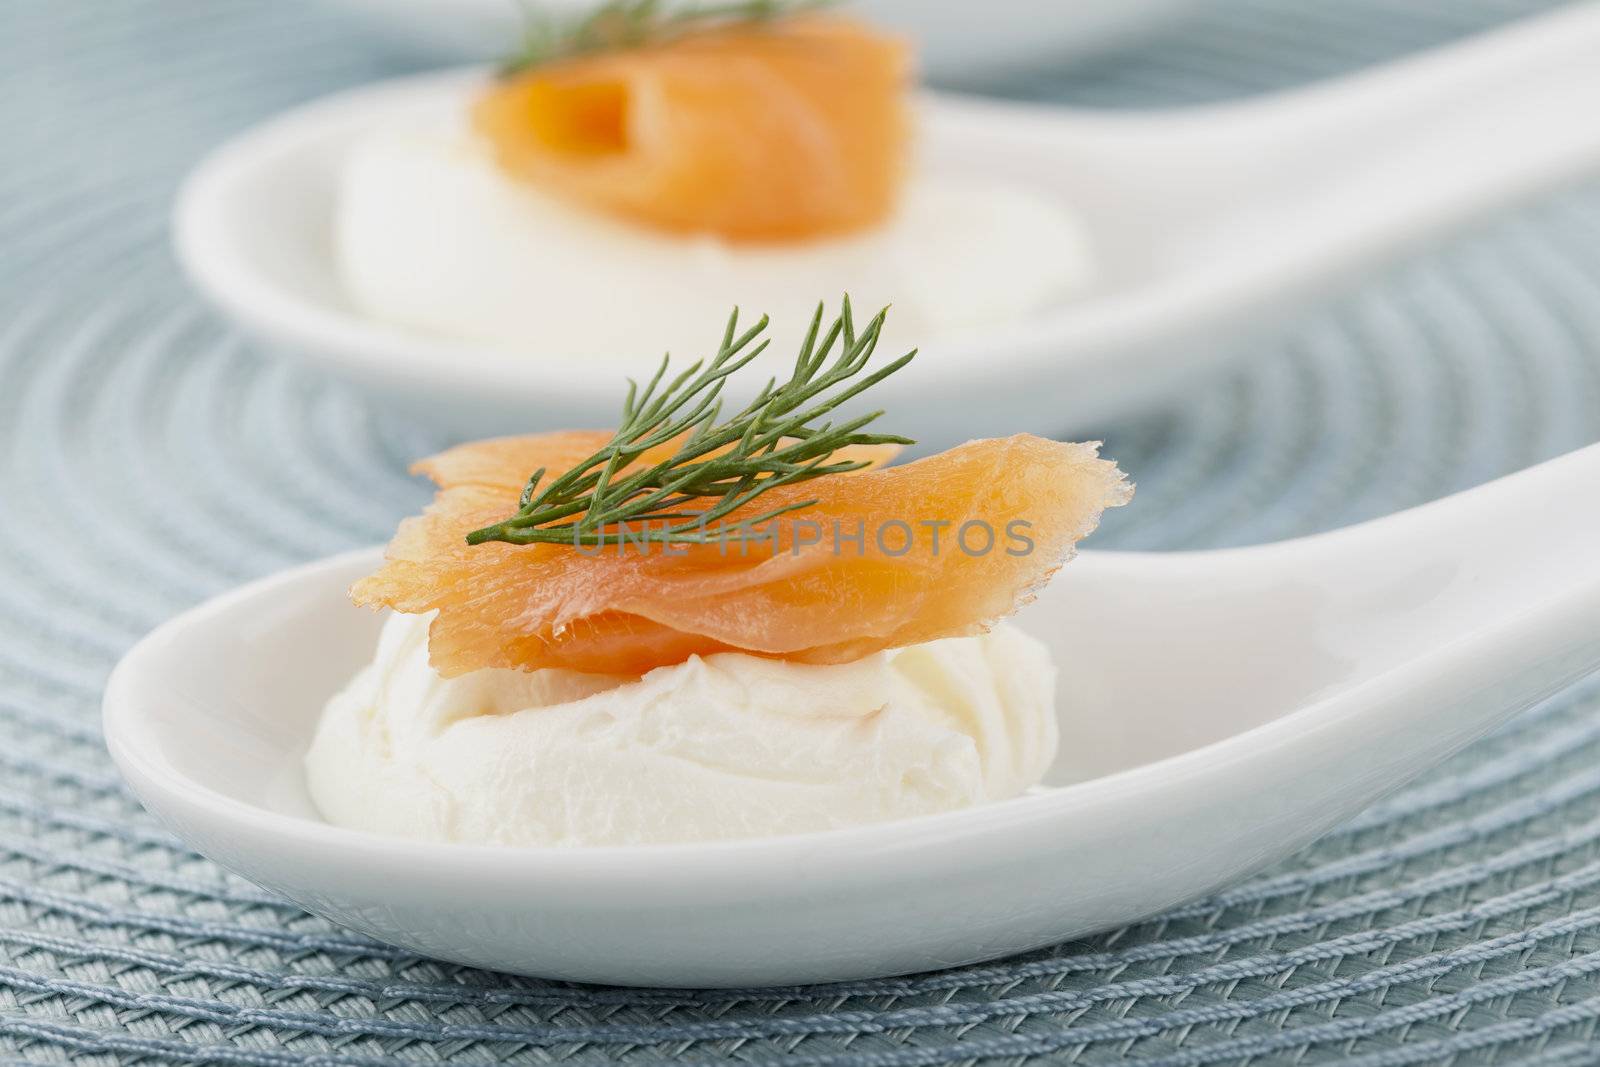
(620, 24)
(721, 465)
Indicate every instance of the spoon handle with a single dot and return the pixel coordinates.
(1273, 196)
(1436, 136)
(1511, 569)
(1276, 197)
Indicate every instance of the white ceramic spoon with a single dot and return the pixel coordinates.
(1205, 221)
(1218, 711)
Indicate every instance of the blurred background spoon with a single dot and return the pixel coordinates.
(1206, 223)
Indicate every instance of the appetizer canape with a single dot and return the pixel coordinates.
(698, 627)
(668, 164)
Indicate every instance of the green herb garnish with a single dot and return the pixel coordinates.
(724, 465)
(631, 23)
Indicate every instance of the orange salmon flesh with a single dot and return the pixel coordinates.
(858, 572)
(757, 132)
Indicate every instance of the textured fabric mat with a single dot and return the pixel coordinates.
(149, 457)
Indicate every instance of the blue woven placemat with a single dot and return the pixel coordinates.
(149, 457)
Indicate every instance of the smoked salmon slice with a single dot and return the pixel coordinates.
(755, 131)
(888, 556)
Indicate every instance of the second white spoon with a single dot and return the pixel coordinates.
(1205, 222)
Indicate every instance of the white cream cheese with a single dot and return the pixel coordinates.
(724, 746)
(431, 236)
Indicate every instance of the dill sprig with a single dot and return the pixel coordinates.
(722, 465)
(619, 24)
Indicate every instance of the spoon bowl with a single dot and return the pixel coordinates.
(1219, 710)
(1206, 224)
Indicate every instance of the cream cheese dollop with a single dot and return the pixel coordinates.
(430, 235)
(721, 746)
